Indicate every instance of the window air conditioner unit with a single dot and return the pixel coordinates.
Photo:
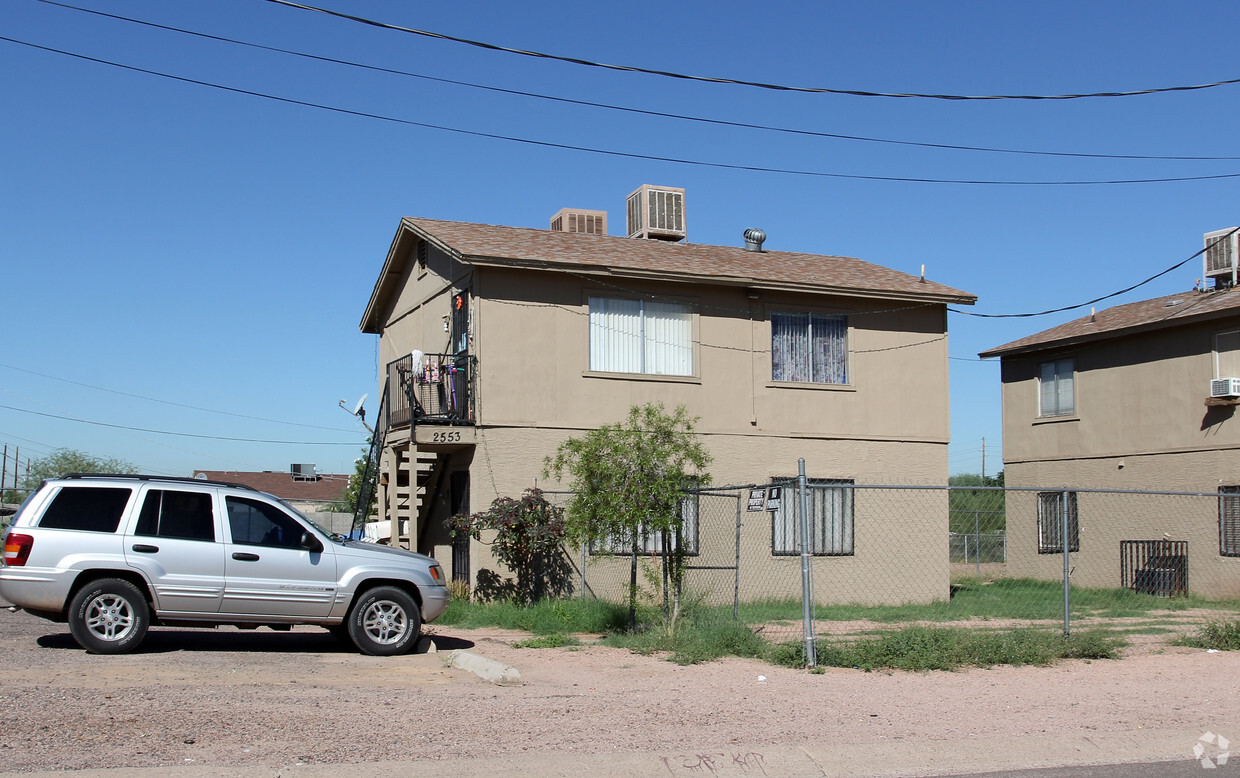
(1225, 387)
(1222, 251)
(657, 212)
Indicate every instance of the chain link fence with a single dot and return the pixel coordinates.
(844, 560)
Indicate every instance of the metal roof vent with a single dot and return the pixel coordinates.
(754, 238)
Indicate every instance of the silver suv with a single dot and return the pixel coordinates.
(112, 555)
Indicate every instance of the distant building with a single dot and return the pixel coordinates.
(302, 487)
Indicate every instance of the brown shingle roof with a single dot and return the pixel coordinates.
(1161, 312)
(481, 242)
(485, 244)
(327, 487)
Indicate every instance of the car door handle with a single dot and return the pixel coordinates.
(143, 548)
(241, 556)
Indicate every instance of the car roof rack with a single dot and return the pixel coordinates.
(168, 478)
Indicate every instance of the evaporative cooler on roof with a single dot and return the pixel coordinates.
(657, 212)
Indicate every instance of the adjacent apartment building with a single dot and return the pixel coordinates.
(499, 343)
(1141, 396)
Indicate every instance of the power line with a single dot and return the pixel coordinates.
(612, 152)
(1125, 290)
(169, 402)
(647, 112)
(733, 81)
(179, 434)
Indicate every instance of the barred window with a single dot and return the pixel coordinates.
(1050, 523)
(830, 520)
(1229, 520)
(652, 542)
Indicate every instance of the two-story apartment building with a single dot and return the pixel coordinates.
(1127, 399)
(499, 343)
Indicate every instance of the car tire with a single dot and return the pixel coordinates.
(109, 616)
(385, 621)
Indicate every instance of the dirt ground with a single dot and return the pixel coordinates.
(226, 702)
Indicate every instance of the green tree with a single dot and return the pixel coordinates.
(527, 540)
(629, 479)
(353, 492)
(63, 461)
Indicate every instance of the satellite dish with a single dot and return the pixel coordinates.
(357, 409)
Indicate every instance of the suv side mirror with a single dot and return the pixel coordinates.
(311, 543)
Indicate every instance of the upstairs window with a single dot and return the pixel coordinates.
(1227, 354)
(809, 348)
(1056, 388)
(640, 336)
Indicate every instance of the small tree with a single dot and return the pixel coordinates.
(63, 461)
(629, 479)
(527, 540)
(353, 492)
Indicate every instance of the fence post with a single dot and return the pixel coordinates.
(977, 543)
(811, 654)
(1067, 584)
(585, 547)
(736, 575)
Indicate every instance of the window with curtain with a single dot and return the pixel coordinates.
(830, 521)
(641, 336)
(809, 348)
(1057, 388)
(1050, 523)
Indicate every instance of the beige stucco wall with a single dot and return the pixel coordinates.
(900, 540)
(1141, 424)
(533, 353)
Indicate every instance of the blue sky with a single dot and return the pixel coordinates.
(181, 258)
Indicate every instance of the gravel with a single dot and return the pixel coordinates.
(234, 700)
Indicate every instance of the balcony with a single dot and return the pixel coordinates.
(431, 389)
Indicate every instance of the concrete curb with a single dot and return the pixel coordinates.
(487, 669)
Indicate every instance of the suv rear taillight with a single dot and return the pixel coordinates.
(17, 549)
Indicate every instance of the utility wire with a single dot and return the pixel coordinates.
(643, 111)
(622, 154)
(737, 82)
(1176, 266)
(178, 434)
(169, 402)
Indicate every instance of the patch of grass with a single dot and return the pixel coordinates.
(556, 640)
(693, 641)
(938, 648)
(1004, 598)
(1218, 635)
(548, 617)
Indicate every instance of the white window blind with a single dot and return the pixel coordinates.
(640, 336)
(1056, 388)
(830, 520)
